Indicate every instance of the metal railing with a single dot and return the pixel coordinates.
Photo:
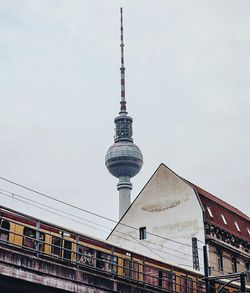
(105, 260)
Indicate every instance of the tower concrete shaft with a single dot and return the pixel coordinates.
(124, 187)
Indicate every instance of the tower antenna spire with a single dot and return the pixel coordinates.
(123, 109)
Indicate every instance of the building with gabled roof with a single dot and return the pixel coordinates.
(172, 219)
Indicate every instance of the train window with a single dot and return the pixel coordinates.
(103, 260)
(41, 243)
(200, 287)
(113, 264)
(168, 280)
(151, 276)
(135, 270)
(86, 255)
(67, 249)
(127, 267)
(183, 284)
(29, 237)
(189, 285)
(131, 268)
(56, 246)
(160, 274)
(220, 260)
(5, 230)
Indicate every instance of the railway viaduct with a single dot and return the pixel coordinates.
(21, 272)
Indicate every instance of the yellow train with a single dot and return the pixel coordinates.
(44, 239)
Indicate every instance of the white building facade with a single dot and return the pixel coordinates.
(169, 214)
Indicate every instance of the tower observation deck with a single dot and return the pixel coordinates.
(123, 159)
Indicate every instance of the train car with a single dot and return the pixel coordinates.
(45, 240)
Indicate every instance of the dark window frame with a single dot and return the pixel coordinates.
(220, 260)
(56, 246)
(234, 264)
(142, 233)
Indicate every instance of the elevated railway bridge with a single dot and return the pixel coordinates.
(22, 272)
(37, 256)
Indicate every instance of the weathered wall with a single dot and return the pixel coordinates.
(168, 207)
(227, 261)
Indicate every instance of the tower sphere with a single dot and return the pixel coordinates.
(124, 158)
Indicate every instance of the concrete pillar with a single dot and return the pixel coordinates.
(124, 187)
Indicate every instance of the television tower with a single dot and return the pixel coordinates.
(123, 159)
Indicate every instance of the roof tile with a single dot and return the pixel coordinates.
(219, 207)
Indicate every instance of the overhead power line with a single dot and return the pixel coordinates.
(23, 199)
(91, 213)
(151, 249)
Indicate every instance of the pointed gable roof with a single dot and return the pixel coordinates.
(217, 206)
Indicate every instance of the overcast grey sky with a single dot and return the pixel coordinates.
(188, 90)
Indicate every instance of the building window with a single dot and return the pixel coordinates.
(247, 267)
(248, 230)
(210, 212)
(142, 233)
(237, 226)
(224, 219)
(220, 260)
(234, 264)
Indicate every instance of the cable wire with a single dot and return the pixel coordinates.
(11, 195)
(135, 240)
(89, 212)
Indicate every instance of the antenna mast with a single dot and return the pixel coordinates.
(122, 69)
